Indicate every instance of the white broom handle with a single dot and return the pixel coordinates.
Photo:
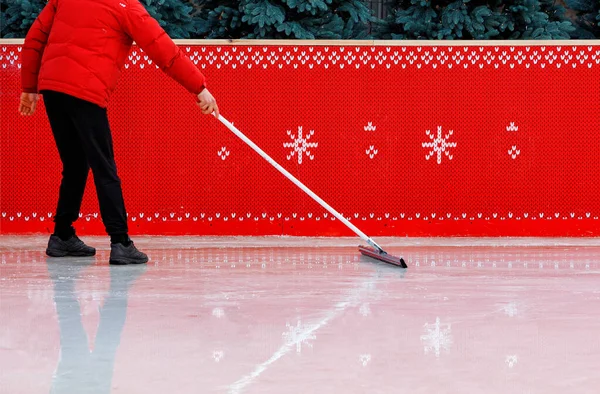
(297, 182)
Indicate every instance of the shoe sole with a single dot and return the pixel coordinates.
(125, 261)
(62, 253)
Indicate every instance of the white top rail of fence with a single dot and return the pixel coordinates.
(401, 43)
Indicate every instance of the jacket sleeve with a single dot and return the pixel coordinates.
(147, 33)
(33, 48)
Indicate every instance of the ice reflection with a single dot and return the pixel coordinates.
(86, 364)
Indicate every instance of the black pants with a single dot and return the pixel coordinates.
(84, 141)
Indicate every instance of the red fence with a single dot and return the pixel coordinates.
(435, 141)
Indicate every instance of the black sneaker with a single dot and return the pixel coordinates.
(121, 254)
(71, 247)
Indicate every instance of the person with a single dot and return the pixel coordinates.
(72, 56)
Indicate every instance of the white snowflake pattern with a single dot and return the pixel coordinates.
(436, 337)
(370, 127)
(371, 152)
(218, 313)
(223, 153)
(218, 355)
(511, 361)
(512, 127)
(299, 335)
(511, 309)
(364, 359)
(513, 151)
(365, 310)
(300, 145)
(439, 144)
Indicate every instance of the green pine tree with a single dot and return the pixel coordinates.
(475, 19)
(586, 17)
(302, 19)
(539, 19)
(175, 16)
(16, 16)
(221, 19)
(352, 19)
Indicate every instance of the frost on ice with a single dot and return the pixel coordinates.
(437, 337)
(298, 335)
(300, 145)
(439, 144)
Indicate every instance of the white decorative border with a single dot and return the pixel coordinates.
(232, 217)
(389, 57)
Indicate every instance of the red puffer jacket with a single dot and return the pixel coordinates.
(79, 47)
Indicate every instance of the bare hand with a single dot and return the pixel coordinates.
(207, 103)
(28, 103)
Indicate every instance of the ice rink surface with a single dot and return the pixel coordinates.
(302, 315)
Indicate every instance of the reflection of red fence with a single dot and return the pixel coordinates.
(402, 140)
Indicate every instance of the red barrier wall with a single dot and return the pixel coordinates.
(403, 140)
